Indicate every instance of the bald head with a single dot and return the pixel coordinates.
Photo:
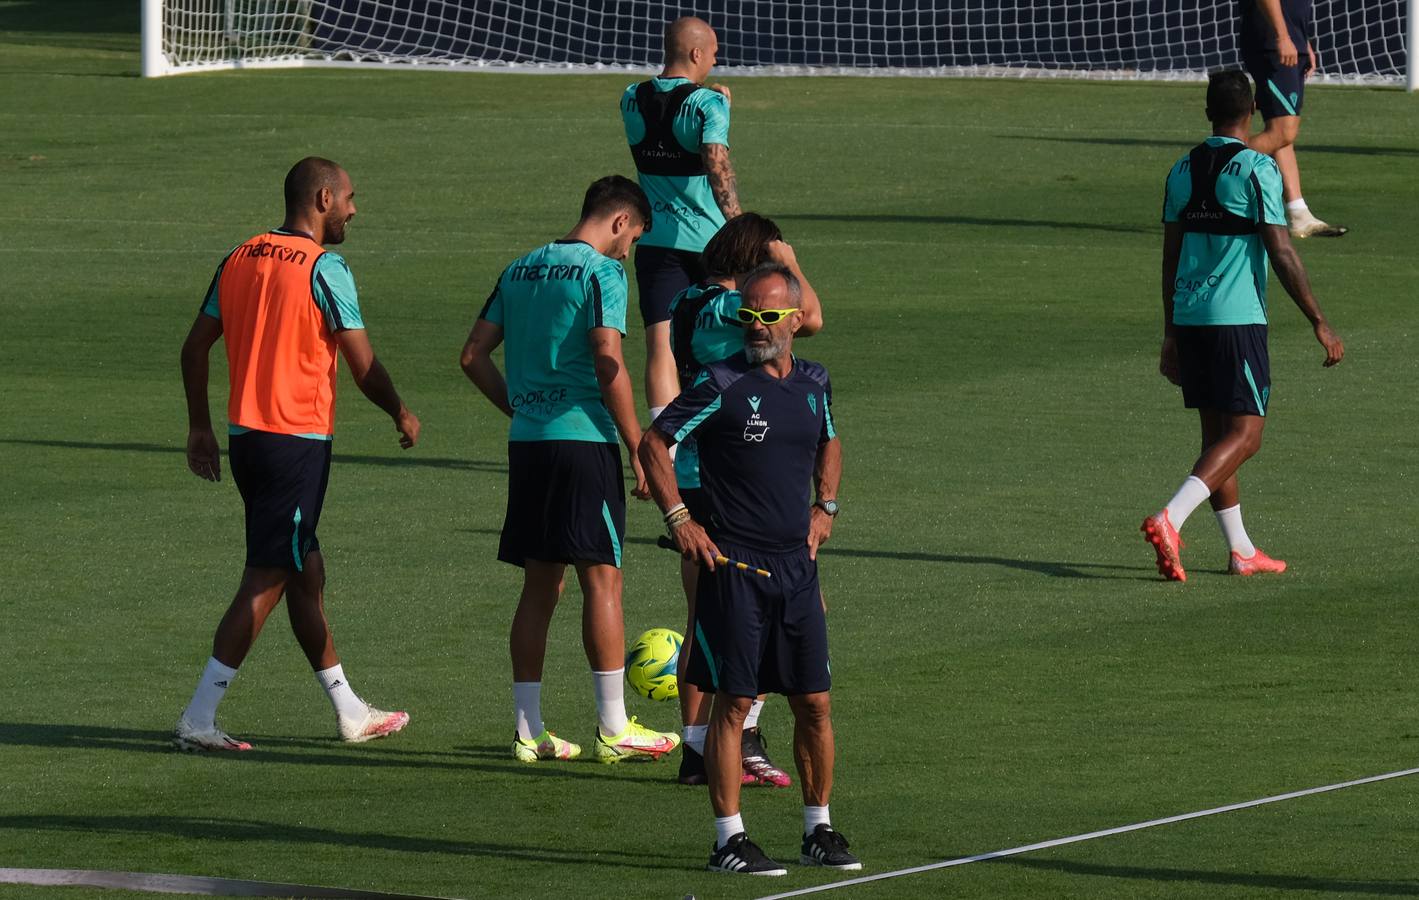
(307, 178)
(320, 200)
(690, 47)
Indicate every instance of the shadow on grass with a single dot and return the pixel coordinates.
(228, 831)
(1326, 886)
(321, 752)
(1181, 146)
(892, 219)
(1039, 567)
(412, 460)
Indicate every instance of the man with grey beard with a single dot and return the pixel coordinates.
(764, 430)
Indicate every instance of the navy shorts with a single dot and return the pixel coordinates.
(697, 502)
(282, 480)
(1225, 367)
(566, 503)
(661, 273)
(757, 635)
(1280, 90)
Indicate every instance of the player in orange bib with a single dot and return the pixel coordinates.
(287, 309)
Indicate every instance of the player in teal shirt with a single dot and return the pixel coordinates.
(561, 312)
(1222, 219)
(678, 131)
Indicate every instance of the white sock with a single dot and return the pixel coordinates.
(694, 736)
(813, 816)
(726, 828)
(1297, 206)
(1188, 498)
(1235, 532)
(527, 700)
(342, 697)
(216, 678)
(752, 720)
(611, 701)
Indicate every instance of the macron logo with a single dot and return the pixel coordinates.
(754, 403)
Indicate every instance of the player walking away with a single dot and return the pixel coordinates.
(283, 305)
(764, 433)
(1222, 217)
(562, 311)
(1276, 49)
(679, 136)
(705, 328)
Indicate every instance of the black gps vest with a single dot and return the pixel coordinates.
(682, 334)
(1204, 213)
(659, 153)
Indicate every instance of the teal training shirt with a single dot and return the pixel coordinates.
(546, 303)
(1222, 278)
(684, 214)
(717, 335)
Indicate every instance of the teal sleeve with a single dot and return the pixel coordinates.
(631, 117)
(690, 410)
(1266, 178)
(1176, 192)
(334, 289)
(493, 306)
(829, 432)
(211, 306)
(716, 112)
(609, 297)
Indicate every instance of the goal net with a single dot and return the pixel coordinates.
(1357, 40)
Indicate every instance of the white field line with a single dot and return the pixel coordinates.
(1074, 839)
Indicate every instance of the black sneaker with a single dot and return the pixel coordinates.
(692, 766)
(758, 768)
(741, 856)
(825, 847)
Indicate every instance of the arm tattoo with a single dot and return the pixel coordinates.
(721, 178)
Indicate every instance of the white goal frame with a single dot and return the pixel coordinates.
(157, 62)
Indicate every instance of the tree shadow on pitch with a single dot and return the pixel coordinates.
(1326, 886)
(228, 831)
(1182, 146)
(896, 219)
(410, 461)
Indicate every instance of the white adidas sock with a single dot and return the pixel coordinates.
(1235, 532)
(342, 697)
(1297, 207)
(694, 736)
(201, 712)
(727, 827)
(527, 700)
(611, 701)
(813, 816)
(752, 720)
(1189, 497)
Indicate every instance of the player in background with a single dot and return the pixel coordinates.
(1223, 219)
(765, 435)
(705, 328)
(561, 310)
(284, 306)
(1277, 50)
(679, 136)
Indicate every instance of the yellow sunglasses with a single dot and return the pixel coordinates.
(765, 316)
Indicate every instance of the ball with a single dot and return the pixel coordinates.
(651, 664)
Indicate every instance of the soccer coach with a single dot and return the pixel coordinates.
(764, 430)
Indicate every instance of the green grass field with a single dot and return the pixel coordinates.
(1008, 667)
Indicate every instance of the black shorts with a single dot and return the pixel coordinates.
(1225, 367)
(755, 635)
(282, 480)
(566, 503)
(661, 273)
(1280, 90)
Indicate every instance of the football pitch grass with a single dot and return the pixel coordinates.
(1007, 666)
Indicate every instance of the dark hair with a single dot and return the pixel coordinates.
(612, 194)
(305, 180)
(741, 244)
(1228, 97)
(795, 289)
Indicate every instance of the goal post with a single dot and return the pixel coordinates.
(1359, 41)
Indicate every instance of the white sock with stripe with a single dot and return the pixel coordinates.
(813, 816)
(1297, 207)
(752, 719)
(694, 736)
(611, 701)
(1189, 497)
(342, 696)
(201, 712)
(726, 828)
(527, 703)
(1235, 532)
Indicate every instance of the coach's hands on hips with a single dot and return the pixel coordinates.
(1334, 346)
(695, 545)
(820, 528)
(204, 457)
(1168, 361)
(407, 424)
